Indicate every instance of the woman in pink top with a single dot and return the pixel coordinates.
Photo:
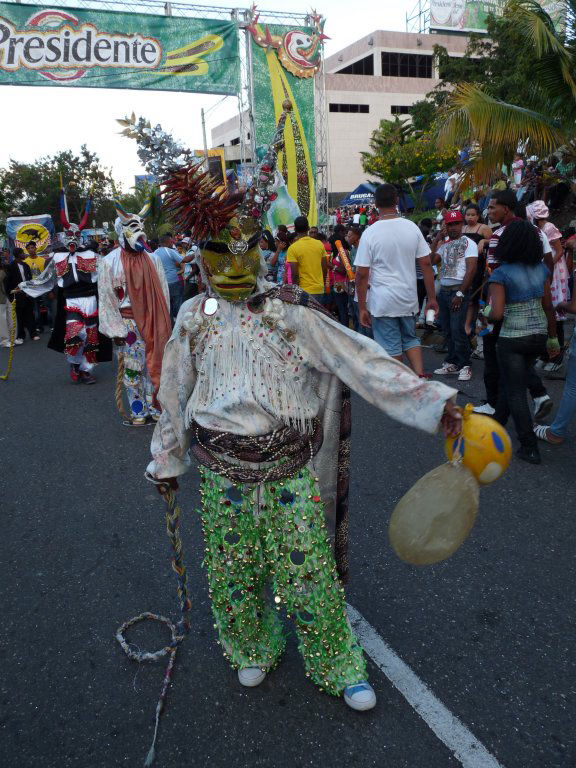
(338, 284)
(538, 212)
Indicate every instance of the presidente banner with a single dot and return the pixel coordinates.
(471, 15)
(284, 62)
(40, 45)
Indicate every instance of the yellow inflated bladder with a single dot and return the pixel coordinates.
(484, 446)
(434, 518)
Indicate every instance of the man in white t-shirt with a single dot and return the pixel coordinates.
(387, 257)
(458, 259)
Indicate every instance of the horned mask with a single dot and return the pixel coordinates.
(71, 235)
(130, 228)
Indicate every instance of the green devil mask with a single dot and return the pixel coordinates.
(232, 267)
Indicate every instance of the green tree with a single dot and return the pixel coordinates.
(423, 114)
(33, 188)
(389, 133)
(521, 91)
(399, 161)
(158, 222)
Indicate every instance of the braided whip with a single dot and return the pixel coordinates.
(12, 336)
(119, 391)
(177, 631)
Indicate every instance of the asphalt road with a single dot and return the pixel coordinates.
(491, 631)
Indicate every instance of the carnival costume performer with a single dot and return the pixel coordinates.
(252, 383)
(73, 270)
(134, 311)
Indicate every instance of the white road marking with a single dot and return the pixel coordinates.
(447, 727)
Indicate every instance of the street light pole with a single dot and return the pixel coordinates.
(205, 143)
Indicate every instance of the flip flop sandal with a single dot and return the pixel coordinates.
(541, 432)
(132, 423)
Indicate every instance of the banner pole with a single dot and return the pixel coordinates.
(250, 80)
(206, 166)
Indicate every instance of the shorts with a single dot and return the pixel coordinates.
(395, 334)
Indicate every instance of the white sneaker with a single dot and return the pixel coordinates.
(465, 373)
(542, 406)
(4, 343)
(18, 341)
(486, 409)
(360, 696)
(250, 677)
(448, 369)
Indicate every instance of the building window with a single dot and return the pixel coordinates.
(234, 142)
(406, 65)
(363, 67)
(400, 110)
(363, 108)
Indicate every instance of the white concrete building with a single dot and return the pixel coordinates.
(227, 135)
(379, 76)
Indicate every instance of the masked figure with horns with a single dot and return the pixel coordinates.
(134, 311)
(254, 385)
(73, 270)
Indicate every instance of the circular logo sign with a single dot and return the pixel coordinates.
(32, 232)
(52, 19)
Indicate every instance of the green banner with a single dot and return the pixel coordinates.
(109, 49)
(284, 61)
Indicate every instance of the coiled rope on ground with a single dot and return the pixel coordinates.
(179, 630)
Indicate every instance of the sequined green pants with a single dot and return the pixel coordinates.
(274, 534)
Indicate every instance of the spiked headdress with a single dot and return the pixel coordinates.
(218, 220)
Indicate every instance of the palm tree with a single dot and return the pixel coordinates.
(496, 129)
(158, 222)
(389, 134)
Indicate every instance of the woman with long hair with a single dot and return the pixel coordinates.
(520, 297)
(281, 243)
(268, 251)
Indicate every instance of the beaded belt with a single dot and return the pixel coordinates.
(285, 449)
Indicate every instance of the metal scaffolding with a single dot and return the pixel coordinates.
(418, 20)
(321, 132)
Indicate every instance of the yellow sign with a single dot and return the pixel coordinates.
(32, 232)
(216, 164)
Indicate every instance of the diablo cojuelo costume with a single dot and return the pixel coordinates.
(134, 303)
(253, 379)
(73, 270)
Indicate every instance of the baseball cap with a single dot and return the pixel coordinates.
(450, 217)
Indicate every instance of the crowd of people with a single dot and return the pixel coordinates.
(461, 274)
(495, 282)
